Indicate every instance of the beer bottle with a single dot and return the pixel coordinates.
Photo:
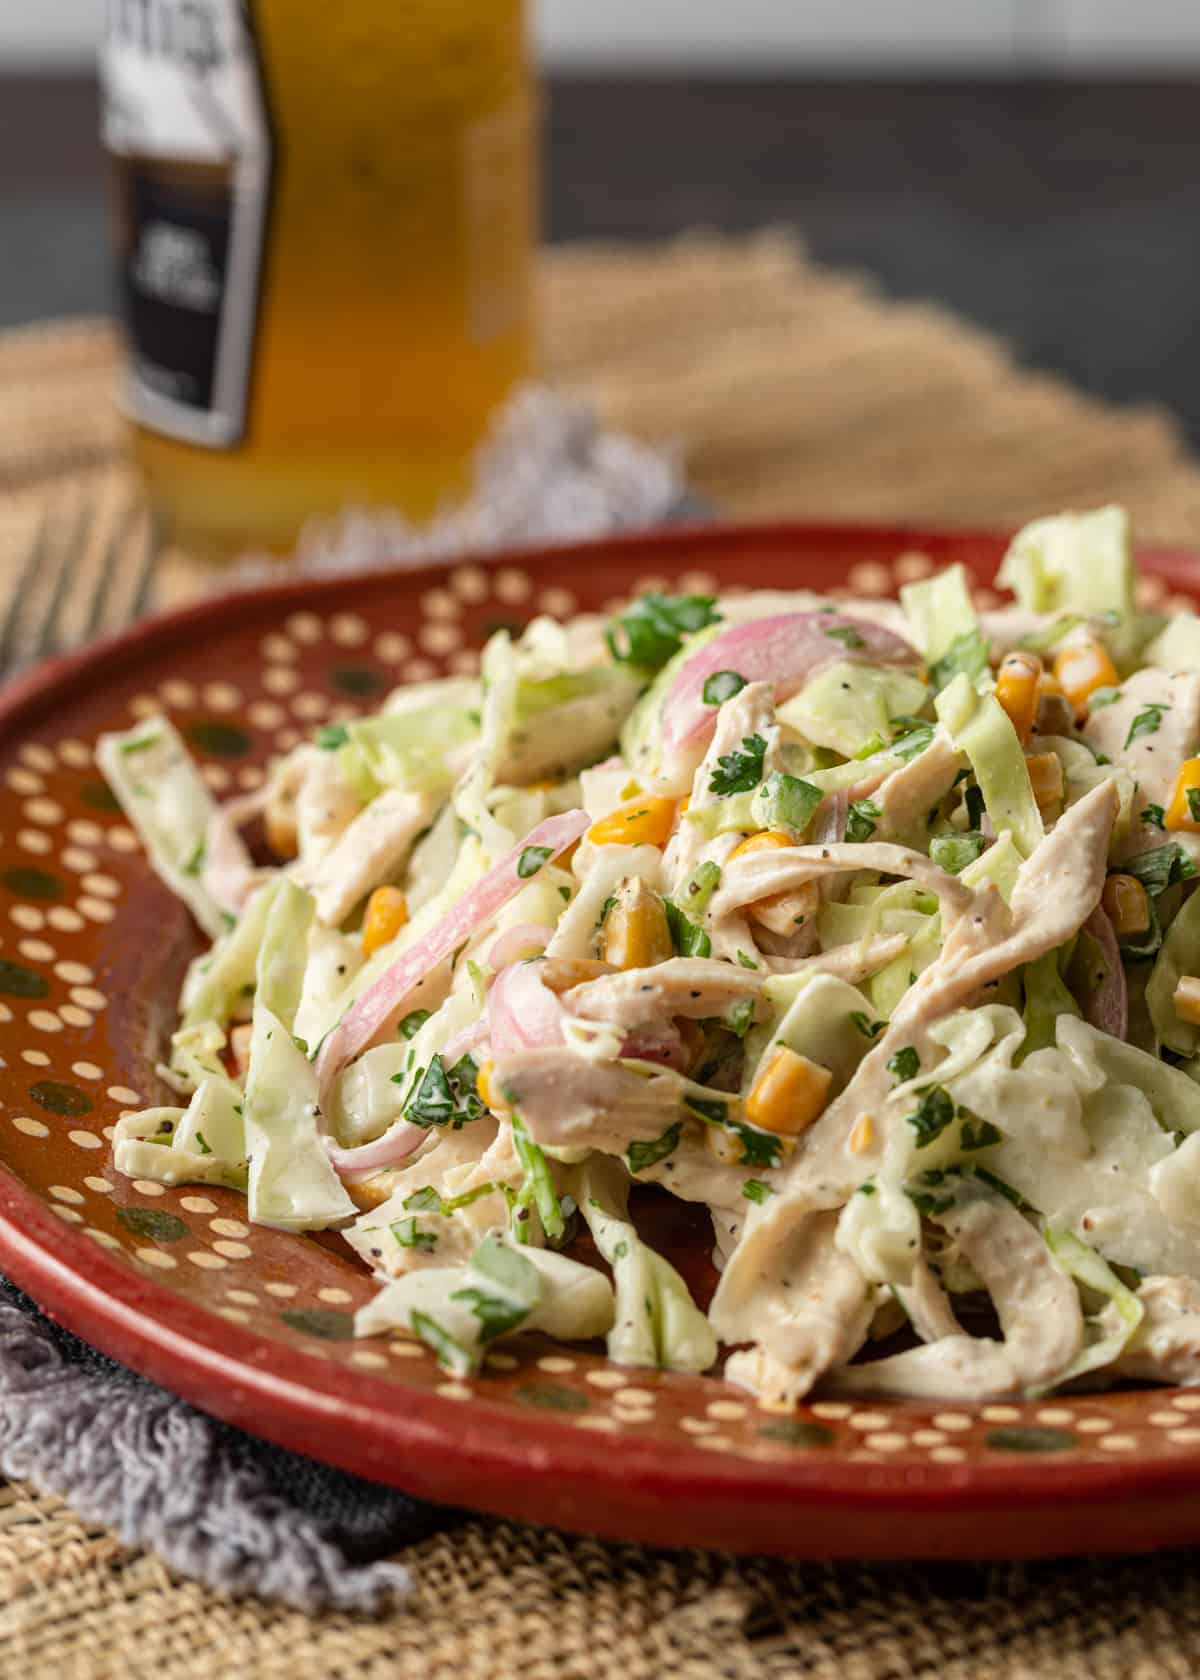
(324, 233)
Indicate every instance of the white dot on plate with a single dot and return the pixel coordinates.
(229, 1227)
(928, 1438)
(84, 832)
(6, 1013)
(1093, 1425)
(283, 1291)
(43, 1021)
(103, 886)
(512, 585)
(947, 1455)
(122, 1094)
(280, 679)
(1184, 1437)
(952, 1420)
(555, 1364)
(637, 1397)
(440, 638)
(1186, 1402)
(265, 714)
(335, 1297)
(408, 1350)
(75, 753)
(235, 1315)
(250, 776)
(867, 1420)
(66, 1193)
(698, 1426)
(27, 917)
(47, 812)
(84, 1140)
(392, 647)
(242, 1297)
(35, 1058)
(33, 840)
(276, 646)
(1166, 1420)
(453, 1391)
(156, 1257)
(123, 839)
(726, 1410)
(205, 1261)
(1118, 1443)
(38, 756)
(348, 630)
(147, 1187)
(74, 1016)
(176, 692)
(217, 777)
(222, 696)
(25, 781)
(96, 909)
(606, 1379)
(304, 627)
(31, 1128)
(37, 950)
(599, 1423)
(310, 706)
(367, 1360)
(87, 997)
(101, 1186)
(68, 1214)
(716, 1443)
(66, 920)
(104, 1238)
(1001, 1414)
(469, 582)
(501, 1362)
(78, 859)
(1055, 1415)
(886, 1441)
(832, 1409)
(233, 1250)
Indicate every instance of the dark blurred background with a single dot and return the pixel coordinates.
(1034, 164)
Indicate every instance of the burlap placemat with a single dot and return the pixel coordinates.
(792, 390)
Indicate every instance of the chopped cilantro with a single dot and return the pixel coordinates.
(643, 1155)
(755, 1190)
(867, 1027)
(867, 1189)
(495, 1260)
(412, 1023)
(722, 686)
(331, 736)
(973, 800)
(202, 1144)
(847, 635)
(424, 1200)
(702, 883)
(915, 737)
(905, 1064)
(745, 961)
(1154, 816)
(933, 1113)
(978, 1133)
(873, 744)
(1147, 722)
(538, 1187)
(127, 748)
(1161, 868)
(862, 819)
(1192, 795)
(1002, 1188)
(195, 862)
(1102, 697)
(532, 859)
(967, 653)
(608, 905)
(496, 1315)
(451, 1354)
(740, 771)
(651, 630)
(432, 1103)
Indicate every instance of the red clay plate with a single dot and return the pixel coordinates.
(253, 1325)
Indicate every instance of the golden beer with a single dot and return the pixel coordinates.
(325, 226)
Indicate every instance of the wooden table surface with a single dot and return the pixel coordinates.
(1065, 216)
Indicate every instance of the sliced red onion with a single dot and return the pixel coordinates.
(523, 1013)
(474, 910)
(829, 829)
(661, 1043)
(786, 651)
(527, 939)
(391, 1150)
(1106, 1004)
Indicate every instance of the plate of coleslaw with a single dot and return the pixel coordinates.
(694, 1037)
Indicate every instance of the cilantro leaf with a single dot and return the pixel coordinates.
(701, 884)
(451, 1355)
(1161, 868)
(532, 859)
(537, 1190)
(1154, 816)
(651, 630)
(742, 770)
(643, 1155)
(741, 1017)
(1102, 697)
(331, 736)
(745, 961)
(432, 1103)
(967, 653)
(755, 1190)
(933, 1113)
(496, 1315)
(409, 1234)
(847, 635)
(1192, 795)
(413, 1022)
(861, 819)
(867, 1027)
(978, 1133)
(722, 686)
(790, 802)
(1147, 722)
(905, 1064)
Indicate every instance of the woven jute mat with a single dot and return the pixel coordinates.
(792, 391)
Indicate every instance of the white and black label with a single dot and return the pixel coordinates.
(186, 119)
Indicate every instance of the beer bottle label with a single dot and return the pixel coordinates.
(187, 124)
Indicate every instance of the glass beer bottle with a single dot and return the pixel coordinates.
(324, 227)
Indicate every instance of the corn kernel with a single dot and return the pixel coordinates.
(788, 1094)
(561, 973)
(1126, 905)
(642, 822)
(863, 1136)
(1017, 690)
(540, 787)
(636, 934)
(1180, 815)
(1082, 668)
(1046, 779)
(769, 839)
(1187, 1000)
(489, 1091)
(387, 912)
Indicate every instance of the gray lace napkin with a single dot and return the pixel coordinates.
(213, 1502)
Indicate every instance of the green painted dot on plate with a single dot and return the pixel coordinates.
(796, 1432)
(357, 680)
(99, 796)
(325, 1322)
(32, 883)
(59, 1098)
(224, 740)
(153, 1224)
(551, 1398)
(1030, 1440)
(18, 981)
